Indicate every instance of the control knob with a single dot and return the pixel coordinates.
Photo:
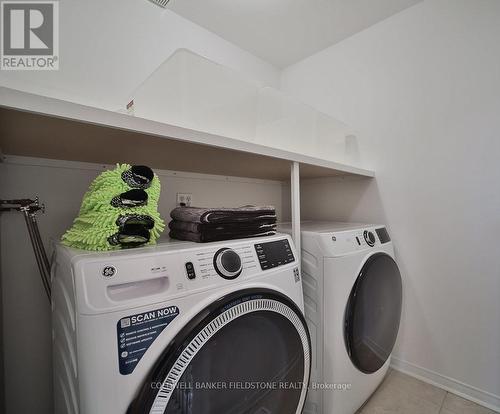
(227, 263)
(369, 238)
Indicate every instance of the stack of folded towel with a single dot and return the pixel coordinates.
(214, 224)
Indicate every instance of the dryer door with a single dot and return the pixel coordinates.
(247, 353)
(373, 313)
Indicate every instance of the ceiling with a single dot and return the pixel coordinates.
(283, 32)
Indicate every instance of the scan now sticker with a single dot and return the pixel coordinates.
(30, 35)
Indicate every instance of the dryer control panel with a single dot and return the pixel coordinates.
(274, 254)
(370, 237)
(346, 241)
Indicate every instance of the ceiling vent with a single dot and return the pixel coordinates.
(161, 3)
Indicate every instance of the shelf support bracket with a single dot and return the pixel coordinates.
(295, 199)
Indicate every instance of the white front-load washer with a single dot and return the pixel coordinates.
(181, 328)
(353, 298)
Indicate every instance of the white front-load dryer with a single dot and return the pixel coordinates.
(353, 298)
(181, 328)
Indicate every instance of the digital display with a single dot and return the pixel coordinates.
(273, 254)
(383, 235)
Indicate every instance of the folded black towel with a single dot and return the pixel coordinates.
(251, 227)
(215, 236)
(223, 215)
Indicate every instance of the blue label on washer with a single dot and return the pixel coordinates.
(136, 333)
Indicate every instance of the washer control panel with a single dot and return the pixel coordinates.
(274, 254)
(139, 277)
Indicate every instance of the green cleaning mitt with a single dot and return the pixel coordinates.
(120, 209)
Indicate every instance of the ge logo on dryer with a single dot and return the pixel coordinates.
(108, 271)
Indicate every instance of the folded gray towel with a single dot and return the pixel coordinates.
(252, 227)
(203, 238)
(224, 215)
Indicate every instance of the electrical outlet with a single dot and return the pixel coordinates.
(184, 199)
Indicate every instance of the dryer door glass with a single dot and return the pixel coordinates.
(373, 313)
(250, 354)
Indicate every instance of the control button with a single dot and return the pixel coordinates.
(191, 274)
(227, 263)
(369, 238)
(296, 275)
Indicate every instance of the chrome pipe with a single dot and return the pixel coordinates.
(38, 256)
(43, 252)
(29, 208)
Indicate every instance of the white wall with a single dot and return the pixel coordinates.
(61, 185)
(103, 60)
(423, 89)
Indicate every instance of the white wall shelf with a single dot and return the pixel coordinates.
(37, 126)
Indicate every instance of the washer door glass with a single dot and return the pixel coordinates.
(373, 313)
(249, 354)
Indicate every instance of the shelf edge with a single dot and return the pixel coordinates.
(24, 101)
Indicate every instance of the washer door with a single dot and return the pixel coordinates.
(247, 353)
(373, 313)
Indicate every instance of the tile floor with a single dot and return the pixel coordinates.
(401, 394)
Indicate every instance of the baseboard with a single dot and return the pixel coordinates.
(466, 391)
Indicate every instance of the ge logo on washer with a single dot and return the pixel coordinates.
(108, 271)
